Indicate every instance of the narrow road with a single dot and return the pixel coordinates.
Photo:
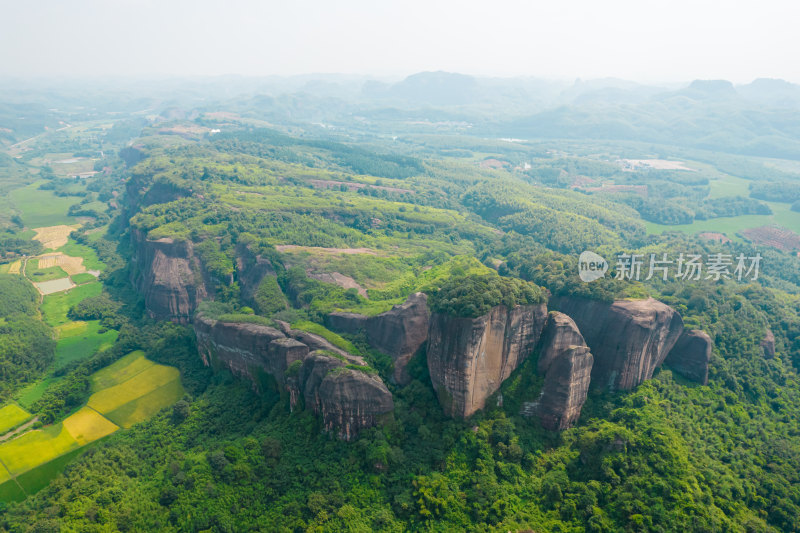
(20, 429)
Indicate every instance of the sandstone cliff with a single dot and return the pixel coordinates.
(566, 365)
(690, 355)
(629, 339)
(347, 399)
(169, 277)
(469, 358)
(247, 348)
(399, 332)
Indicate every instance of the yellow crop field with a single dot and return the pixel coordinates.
(142, 383)
(87, 425)
(120, 371)
(54, 236)
(36, 447)
(70, 265)
(11, 416)
(15, 267)
(146, 406)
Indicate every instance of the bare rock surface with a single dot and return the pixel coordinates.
(629, 339)
(168, 276)
(768, 344)
(469, 358)
(566, 365)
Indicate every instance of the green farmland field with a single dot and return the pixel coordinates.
(42, 208)
(55, 306)
(82, 341)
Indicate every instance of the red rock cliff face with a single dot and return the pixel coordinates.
(347, 400)
(566, 365)
(169, 277)
(629, 339)
(469, 358)
(399, 332)
(247, 348)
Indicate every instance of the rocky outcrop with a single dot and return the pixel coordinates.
(566, 365)
(560, 332)
(469, 358)
(768, 344)
(690, 355)
(168, 276)
(399, 332)
(247, 349)
(348, 400)
(629, 339)
(315, 342)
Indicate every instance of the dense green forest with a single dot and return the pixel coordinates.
(26, 343)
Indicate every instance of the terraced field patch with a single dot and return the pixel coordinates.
(120, 371)
(54, 286)
(84, 277)
(153, 380)
(55, 306)
(42, 208)
(87, 425)
(36, 447)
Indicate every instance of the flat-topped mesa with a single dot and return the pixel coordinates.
(566, 365)
(169, 277)
(690, 355)
(347, 399)
(398, 333)
(469, 358)
(247, 349)
(629, 339)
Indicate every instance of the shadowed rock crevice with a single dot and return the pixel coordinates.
(690, 356)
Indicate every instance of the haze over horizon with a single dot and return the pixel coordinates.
(624, 39)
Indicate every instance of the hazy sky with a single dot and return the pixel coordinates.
(643, 40)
